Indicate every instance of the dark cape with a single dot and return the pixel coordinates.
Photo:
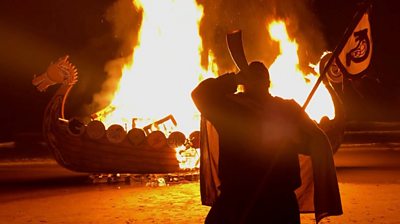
(318, 193)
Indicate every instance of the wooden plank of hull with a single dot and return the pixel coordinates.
(100, 156)
(101, 164)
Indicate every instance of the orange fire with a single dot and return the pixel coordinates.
(165, 68)
(289, 82)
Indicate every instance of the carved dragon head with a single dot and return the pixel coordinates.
(62, 71)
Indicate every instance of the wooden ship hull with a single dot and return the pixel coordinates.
(78, 152)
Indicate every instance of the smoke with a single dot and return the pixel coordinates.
(221, 17)
(126, 20)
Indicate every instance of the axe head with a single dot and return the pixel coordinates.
(235, 46)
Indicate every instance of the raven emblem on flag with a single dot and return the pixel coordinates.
(354, 58)
(361, 51)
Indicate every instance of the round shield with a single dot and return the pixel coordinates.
(176, 139)
(194, 138)
(115, 133)
(157, 139)
(136, 136)
(76, 127)
(333, 73)
(95, 130)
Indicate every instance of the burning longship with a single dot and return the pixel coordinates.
(156, 145)
(93, 149)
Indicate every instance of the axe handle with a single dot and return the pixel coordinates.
(235, 46)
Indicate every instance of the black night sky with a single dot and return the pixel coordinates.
(35, 32)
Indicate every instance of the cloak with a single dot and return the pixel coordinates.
(318, 193)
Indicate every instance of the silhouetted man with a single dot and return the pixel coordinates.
(260, 137)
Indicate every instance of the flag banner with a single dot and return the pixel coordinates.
(352, 55)
(355, 56)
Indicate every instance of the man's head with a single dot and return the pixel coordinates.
(256, 78)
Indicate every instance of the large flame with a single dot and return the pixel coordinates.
(165, 67)
(289, 82)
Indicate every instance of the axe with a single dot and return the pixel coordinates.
(235, 46)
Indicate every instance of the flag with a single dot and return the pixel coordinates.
(352, 55)
(355, 56)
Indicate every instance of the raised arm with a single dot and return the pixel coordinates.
(211, 98)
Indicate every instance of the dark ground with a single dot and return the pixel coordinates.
(37, 190)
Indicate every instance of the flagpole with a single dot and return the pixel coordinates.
(357, 17)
